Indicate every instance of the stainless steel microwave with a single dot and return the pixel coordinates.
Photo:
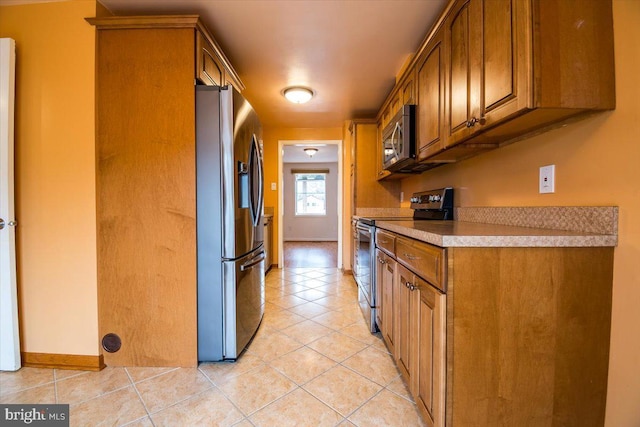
(399, 140)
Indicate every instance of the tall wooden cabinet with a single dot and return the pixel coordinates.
(146, 195)
(367, 192)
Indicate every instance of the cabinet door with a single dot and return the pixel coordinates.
(380, 265)
(388, 288)
(431, 110)
(504, 72)
(209, 71)
(408, 89)
(430, 381)
(488, 65)
(406, 345)
(463, 63)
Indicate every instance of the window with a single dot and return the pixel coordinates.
(311, 197)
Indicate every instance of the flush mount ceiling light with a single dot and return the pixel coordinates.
(310, 151)
(298, 94)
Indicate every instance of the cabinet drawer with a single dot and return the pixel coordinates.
(425, 260)
(386, 242)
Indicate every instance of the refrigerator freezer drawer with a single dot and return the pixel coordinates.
(230, 309)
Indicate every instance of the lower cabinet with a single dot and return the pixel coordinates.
(420, 343)
(520, 337)
(411, 317)
(430, 338)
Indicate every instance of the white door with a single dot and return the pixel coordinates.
(9, 337)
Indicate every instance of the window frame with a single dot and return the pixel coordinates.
(296, 174)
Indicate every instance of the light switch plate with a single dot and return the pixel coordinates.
(548, 179)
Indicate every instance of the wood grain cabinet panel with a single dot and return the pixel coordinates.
(368, 191)
(431, 90)
(528, 336)
(387, 286)
(430, 313)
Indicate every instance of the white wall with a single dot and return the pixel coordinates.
(310, 228)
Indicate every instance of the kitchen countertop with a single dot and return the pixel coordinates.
(475, 234)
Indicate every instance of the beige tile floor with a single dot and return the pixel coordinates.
(312, 363)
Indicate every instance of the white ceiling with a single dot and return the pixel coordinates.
(348, 51)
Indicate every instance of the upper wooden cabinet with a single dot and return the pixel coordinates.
(493, 71)
(209, 70)
(431, 88)
(488, 64)
(513, 66)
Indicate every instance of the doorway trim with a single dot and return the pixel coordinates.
(9, 321)
(280, 218)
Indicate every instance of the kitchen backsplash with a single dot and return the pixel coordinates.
(591, 219)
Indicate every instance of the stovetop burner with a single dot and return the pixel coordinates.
(435, 205)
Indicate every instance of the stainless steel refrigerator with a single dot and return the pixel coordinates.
(229, 224)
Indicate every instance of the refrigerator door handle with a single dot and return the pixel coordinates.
(255, 164)
(252, 262)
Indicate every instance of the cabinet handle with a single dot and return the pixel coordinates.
(409, 285)
(381, 261)
(411, 257)
(474, 120)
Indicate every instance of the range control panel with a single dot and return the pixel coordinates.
(439, 199)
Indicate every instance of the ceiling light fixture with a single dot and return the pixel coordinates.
(298, 94)
(310, 151)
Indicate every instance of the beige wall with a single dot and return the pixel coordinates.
(55, 185)
(597, 163)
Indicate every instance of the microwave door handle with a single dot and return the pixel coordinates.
(393, 140)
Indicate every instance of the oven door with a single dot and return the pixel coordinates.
(362, 265)
(363, 272)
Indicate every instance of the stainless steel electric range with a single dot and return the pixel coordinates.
(427, 205)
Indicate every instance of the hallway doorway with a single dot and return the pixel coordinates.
(310, 204)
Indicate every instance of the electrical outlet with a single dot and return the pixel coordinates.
(548, 179)
(273, 186)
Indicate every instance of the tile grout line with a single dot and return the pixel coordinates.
(245, 416)
(55, 386)
(367, 345)
(144, 405)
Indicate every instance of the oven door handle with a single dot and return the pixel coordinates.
(364, 228)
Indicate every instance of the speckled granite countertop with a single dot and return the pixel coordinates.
(473, 234)
(564, 226)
